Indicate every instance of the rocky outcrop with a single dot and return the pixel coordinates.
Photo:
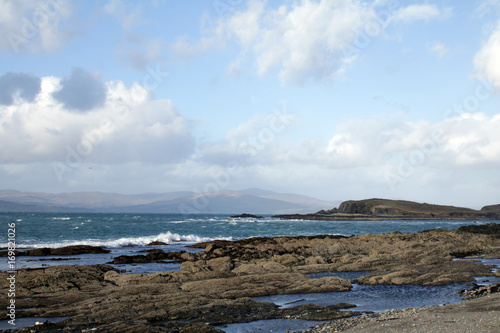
(478, 291)
(66, 250)
(492, 229)
(158, 256)
(215, 285)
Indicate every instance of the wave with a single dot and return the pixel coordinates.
(168, 238)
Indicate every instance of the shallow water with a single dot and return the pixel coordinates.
(27, 322)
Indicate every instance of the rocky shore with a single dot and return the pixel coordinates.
(215, 285)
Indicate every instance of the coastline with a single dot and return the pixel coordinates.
(355, 217)
(474, 315)
(217, 284)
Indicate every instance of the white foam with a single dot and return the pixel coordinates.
(168, 237)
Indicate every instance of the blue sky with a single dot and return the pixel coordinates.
(337, 99)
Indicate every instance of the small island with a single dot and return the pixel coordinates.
(246, 216)
(385, 209)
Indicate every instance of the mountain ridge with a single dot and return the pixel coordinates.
(220, 202)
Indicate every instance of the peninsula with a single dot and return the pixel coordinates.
(385, 209)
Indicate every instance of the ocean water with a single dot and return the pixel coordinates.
(128, 234)
(118, 230)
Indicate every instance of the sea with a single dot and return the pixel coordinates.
(128, 234)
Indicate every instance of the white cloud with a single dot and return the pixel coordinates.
(440, 49)
(420, 12)
(469, 141)
(487, 60)
(306, 40)
(35, 26)
(128, 16)
(128, 127)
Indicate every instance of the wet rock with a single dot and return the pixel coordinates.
(157, 243)
(492, 229)
(150, 257)
(316, 312)
(215, 285)
(477, 291)
(247, 216)
(67, 250)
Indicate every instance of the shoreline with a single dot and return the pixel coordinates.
(353, 217)
(473, 315)
(216, 285)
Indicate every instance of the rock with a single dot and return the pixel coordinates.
(247, 216)
(492, 229)
(58, 278)
(316, 312)
(215, 285)
(477, 291)
(265, 284)
(151, 256)
(67, 250)
(156, 243)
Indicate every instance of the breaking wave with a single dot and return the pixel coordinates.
(168, 238)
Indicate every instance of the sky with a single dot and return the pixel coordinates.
(335, 99)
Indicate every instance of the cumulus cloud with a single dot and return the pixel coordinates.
(128, 127)
(81, 91)
(35, 26)
(304, 40)
(470, 140)
(18, 85)
(487, 60)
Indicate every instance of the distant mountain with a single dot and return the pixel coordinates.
(223, 202)
(6, 206)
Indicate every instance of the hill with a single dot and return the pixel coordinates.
(7, 206)
(384, 209)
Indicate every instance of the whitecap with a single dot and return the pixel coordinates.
(168, 238)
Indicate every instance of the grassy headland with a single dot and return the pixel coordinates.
(385, 209)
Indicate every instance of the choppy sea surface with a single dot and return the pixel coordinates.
(127, 234)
